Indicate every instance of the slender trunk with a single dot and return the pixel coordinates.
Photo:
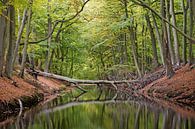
(169, 69)
(143, 51)
(191, 31)
(11, 41)
(72, 64)
(2, 39)
(49, 39)
(25, 44)
(193, 9)
(51, 58)
(159, 39)
(19, 35)
(153, 41)
(133, 44)
(175, 36)
(125, 48)
(133, 48)
(169, 34)
(185, 31)
(57, 40)
(120, 48)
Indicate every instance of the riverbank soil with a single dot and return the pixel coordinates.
(177, 92)
(29, 91)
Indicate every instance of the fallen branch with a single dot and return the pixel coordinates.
(80, 88)
(76, 82)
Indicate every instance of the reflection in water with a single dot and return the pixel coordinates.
(99, 109)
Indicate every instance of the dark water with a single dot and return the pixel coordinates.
(99, 109)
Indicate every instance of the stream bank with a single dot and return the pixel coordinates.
(29, 91)
(177, 93)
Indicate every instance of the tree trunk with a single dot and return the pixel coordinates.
(143, 52)
(175, 36)
(191, 31)
(19, 35)
(133, 44)
(71, 71)
(49, 39)
(79, 81)
(169, 34)
(193, 9)
(57, 40)
(169, 69)
(159, 39)
(153, 40)
(11, 41)
(133, 48)
(25, 44)
(185, 31)
(125, 49)
(2, 40)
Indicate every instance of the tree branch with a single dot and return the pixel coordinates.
(143, 4)
(60, 21)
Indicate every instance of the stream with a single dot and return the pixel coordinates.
(99, 109)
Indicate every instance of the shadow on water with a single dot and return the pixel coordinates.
(99, 109)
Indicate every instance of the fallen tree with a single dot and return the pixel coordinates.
(132, 84)
(77, 82)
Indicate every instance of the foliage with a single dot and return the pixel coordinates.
(94, 43)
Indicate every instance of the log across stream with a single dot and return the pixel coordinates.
(77, 82)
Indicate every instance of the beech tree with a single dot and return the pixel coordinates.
(3, 21)
(11, 41)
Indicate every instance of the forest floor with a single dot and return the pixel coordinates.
(28, 90)
(177, 93)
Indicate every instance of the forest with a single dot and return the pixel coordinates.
(85, 39)
(128, 44)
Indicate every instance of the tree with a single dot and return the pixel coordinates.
(11, 41)
(19, 36)
(169, 34)
(191, 30)
(24, 51)
(169, 69)
(132, 38)
(185, 10)
(175, 37)
(2, 37)
(48, 52)
(159, 39)
(153, 40)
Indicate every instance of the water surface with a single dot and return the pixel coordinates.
(99, 109)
